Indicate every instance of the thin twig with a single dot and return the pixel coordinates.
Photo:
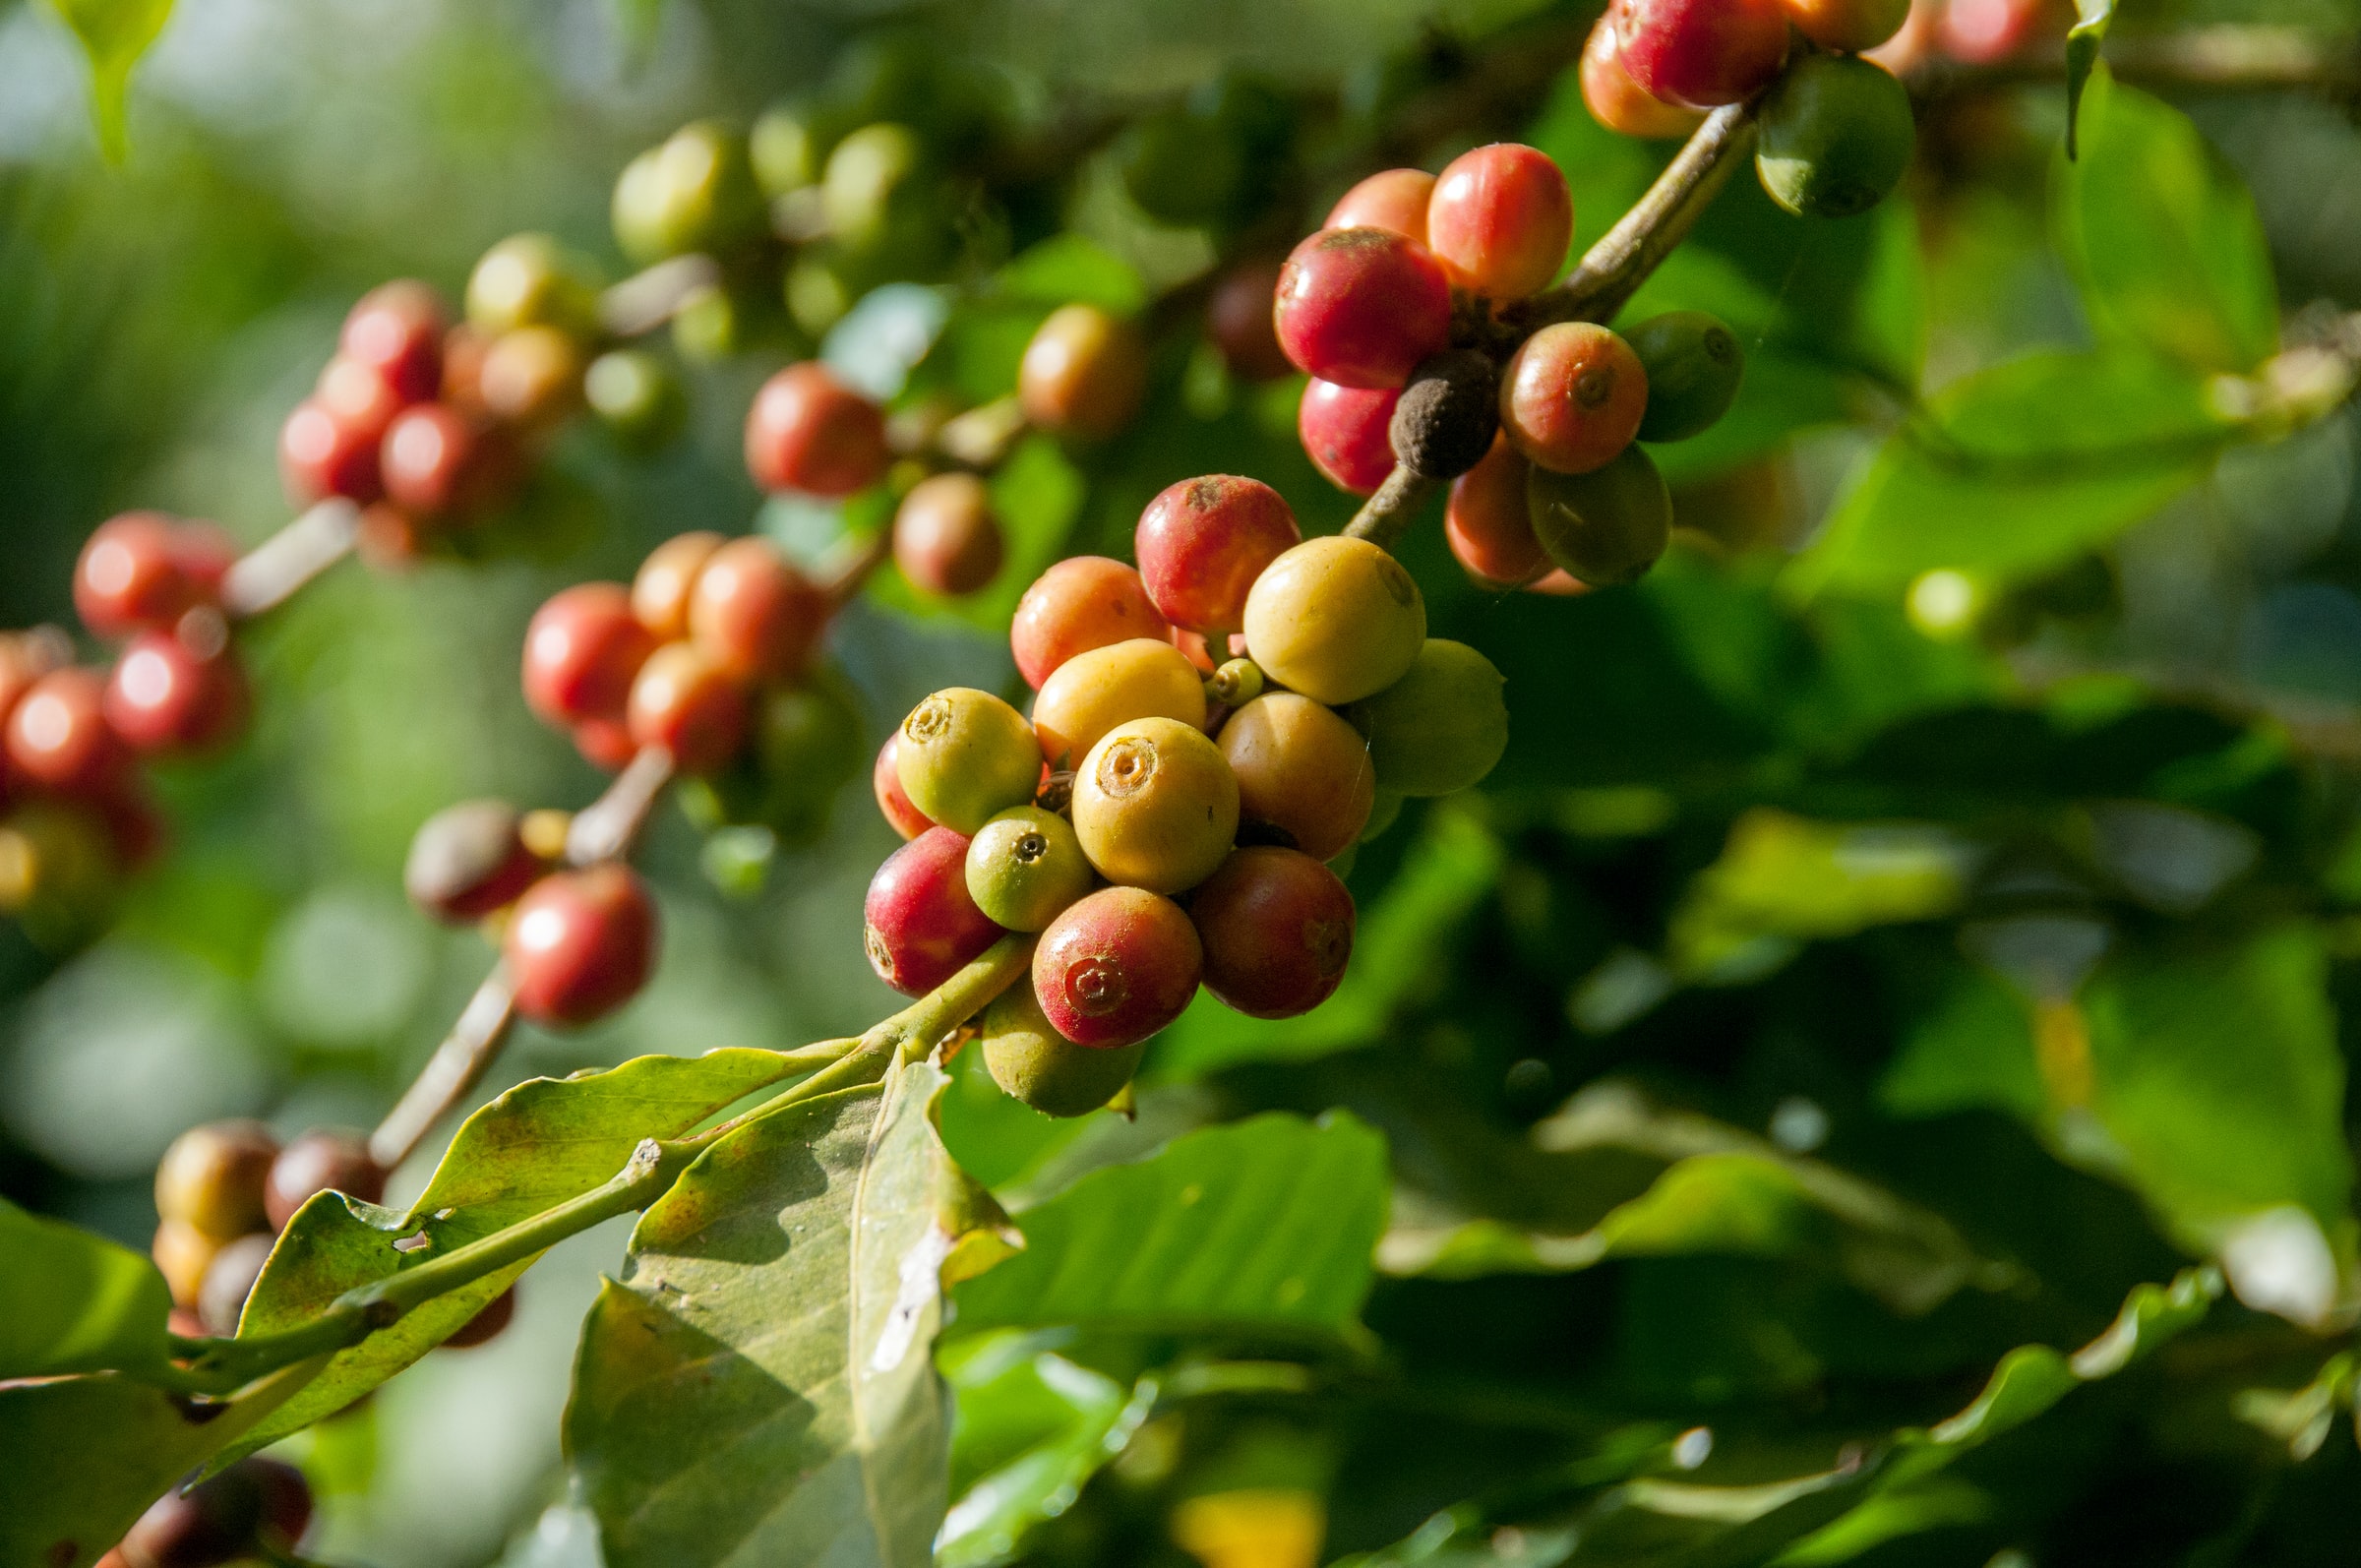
(2230, 57)
(269, 574)
(608, 827)
(842, 581)
(1385, 515)
(646, 300)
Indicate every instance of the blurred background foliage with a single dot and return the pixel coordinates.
(1971, 948)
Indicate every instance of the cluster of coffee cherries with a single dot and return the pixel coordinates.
(256, 1510)
(74, 814)
(1164, 819)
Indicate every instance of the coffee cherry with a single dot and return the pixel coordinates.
(215, 1521)
(175, 694)
(1441, 727)
(1302, 771)
(396, 330)
(435, 461)
(581, 652)
(945, 537)
(806, 742)
(1345, 433)
(213, 1178)
(532, 377)
(1362, 307)
(469, 860)
(637, 397)
(486, 1324)
(1393, 200)
(893, 803)
(920, 925)
(1334, 618)
(1155, 806)
(788, 148)
(1448, 413)
(807, 431)
(684, 701)
(1238, 320)
(1233, 684)
(1986, 32)
(1202, 544)
(322, 1160)
(1559, 583)
(61, 870)
(1573, 397)
(205, 552)
(1693, 364)
(358, 398)
(1083, 374)
(1700, 53)
(1500, 220)
(875, 191)
(1035, 1065)
(130, 575)
(967, 757)
(1081, 603)
(463, 351)
(321, 455)
(58, 737)
(695, 193)
(1486, 525)
(1616, 101)
(579, 945)
(528, 281)
(25, 657)
(1025, 866)
(1117, 967)
(1277, 927)
(1606, 526)
(605, 743)
(660, 591)
(182, 1253)
(756, 617)
(1092, 693)
(1837, 136)
(228, 1280)
(1847, 27)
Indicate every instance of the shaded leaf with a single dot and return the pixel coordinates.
(71, 1301)
(2083, 40)
(1033, 1427)
(114, 34)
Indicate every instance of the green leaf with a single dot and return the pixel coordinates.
(1263, 1226)
(2163, 236)
(1033, 1427)
(1072, 269)
(534, 1147)
(2083, 40)
(71, 1301)
(758, 1386)
(114, 34)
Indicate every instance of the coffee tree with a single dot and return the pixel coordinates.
(1479, 998)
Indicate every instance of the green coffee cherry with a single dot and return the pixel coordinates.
(637, 397)
(1385, 811)
(1606, 526)
(1025, 866)
(789, 147)
(806, 742)
(1694, 364)
(59, 874)
(1835, 138)
(528, 281)
(1183, 168)
(695, 193)
(1441, 727)
(1033, 1063)
(967, 757)
(875, 178)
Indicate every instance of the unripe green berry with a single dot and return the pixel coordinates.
(873, 177)
(695, 193)
(967, 757)
(1025, 866)
(1837, 135)
(1694, 365)
(1235, 683)
(1033, 1063)
(527, 280)
(1385, 811)
(1334, 618)
(1447, 416)
(806, 744)
(1607, 526)
(1441, 727)
(789, 148)
(635, 396)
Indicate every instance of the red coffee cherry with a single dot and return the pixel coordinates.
(1083, 373)
(1394, 200)
(1500, 220)
(320, 456)
(322, 1160)
(1487, 525)
(690, 706)
(357, 397)
(753, 615)
(1202, 544)
(58, 737)
(435, 461)
(662, 590)
(287, 1501)
(1082, 603)
(807, 431)
(469, 860)
(179, 691)
(134, 574)
(1701, 53)
(133, 827)
(581, 652)
(1115, 967)
(1985, 32)
(580, 944)
(396, 330)
(1360, 307)
(228, 1280)
(463, 351)
(1573, 397)
(1849, 27)
(1277, 927)
(922, 926)
(1301, 769)
(605, 743)
(1616, 101)
(1344, 432)
(893, 801)
(212, 1179)
(946, 538)
(1238, 320)
(216, 1521)
(486, 1324)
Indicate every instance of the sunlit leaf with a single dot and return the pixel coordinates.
(71, 1301)
(1033, 1427)
(2083, 40)
(114, 34)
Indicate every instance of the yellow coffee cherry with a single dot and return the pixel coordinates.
(1303, 769)
(965, 757)
(1155, 806)
(1334, 618)
(1092, 693)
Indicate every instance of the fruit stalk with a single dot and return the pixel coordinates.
(269, 574)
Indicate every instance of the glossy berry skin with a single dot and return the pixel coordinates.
(1448, 413)
(1334, 618)
(690, 706)
(1393, 200)
(1701, 53)
(1238, 320)
(920, 925)
(228, 1280)
(1362, 307)
(396, 330)
(1573, 397)
(1081, 603)
(357, 396)
(322, 1160)
(582, 650)
(1693, 364)
(1984, 31)
(1618, 102)
(605, 743)
(580, 944)
(58, 738)
(754, 616)
(1083, 373)
(1847, 27)
(660, 590)
(132, 574)
(946, 538)
(213, 1175)
(1203, 542)
(1344, 434)
(967, 757)
(437, 461)
(1606, 526)
(1500, 220)
(182, 1253)
(1277, 927)
(469, 860)
(893, 801)
(1117, 967)
(806, 431)
(1301, 770)
(529, 280)
(1025, 866)
(1441, 727)
(321, 455)
(486, 1324)
(531, 378)
(1155, 806)
(1486, 523)
(1837, 136)
(164, 696)
(1035, 1065)
(1093, 692)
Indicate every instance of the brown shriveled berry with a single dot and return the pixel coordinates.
(1447, 416)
